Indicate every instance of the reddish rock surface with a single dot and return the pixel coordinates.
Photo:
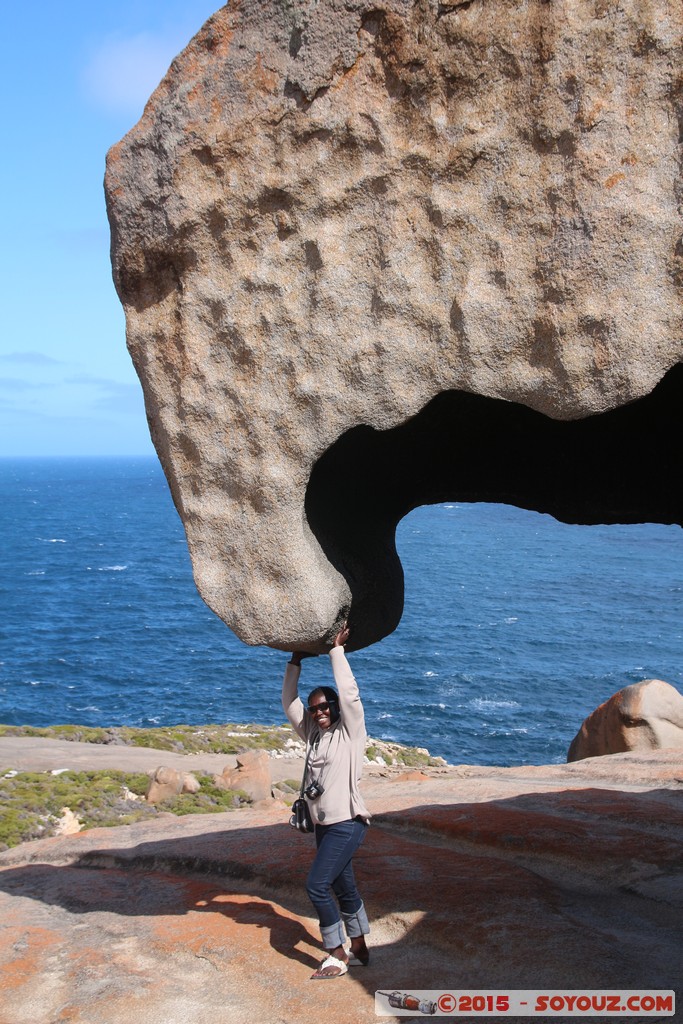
(564, 876)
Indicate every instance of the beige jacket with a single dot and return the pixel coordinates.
(337, 753)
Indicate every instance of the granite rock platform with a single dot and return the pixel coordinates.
(562, 876)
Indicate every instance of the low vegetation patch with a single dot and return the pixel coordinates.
(215, 739)
(32, 803)
(181, 739)
(383, 752)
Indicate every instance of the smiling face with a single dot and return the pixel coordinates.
(319, 710)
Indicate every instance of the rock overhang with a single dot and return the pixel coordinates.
(342, 230)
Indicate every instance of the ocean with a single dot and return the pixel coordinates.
(515, 626)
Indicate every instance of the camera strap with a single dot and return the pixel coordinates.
(318, 742)
(309, 748)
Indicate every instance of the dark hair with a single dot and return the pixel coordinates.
(331, 698)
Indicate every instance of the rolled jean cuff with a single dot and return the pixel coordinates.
(332, 935)
(357, 923)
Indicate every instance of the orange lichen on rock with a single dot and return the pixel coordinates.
(474, 878)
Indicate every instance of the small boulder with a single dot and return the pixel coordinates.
(68, 824)
(165, 783)
(643, 716)
(251, 774)
(190, 783)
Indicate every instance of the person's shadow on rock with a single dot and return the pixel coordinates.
(286, 932)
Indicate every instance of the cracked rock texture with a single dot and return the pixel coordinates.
(331, 213)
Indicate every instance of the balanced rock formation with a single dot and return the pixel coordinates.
(643, 716)
(375, 256)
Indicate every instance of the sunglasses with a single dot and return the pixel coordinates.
(315, 708)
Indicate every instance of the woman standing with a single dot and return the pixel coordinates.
(333, 726)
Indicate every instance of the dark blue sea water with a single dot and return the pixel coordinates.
(515, 626)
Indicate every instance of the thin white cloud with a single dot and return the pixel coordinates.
(123, 402)
(32, 358)
(15, 384)
(107, 383)
(123, 71)
(112, 395)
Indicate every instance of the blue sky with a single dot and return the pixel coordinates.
(76, 78)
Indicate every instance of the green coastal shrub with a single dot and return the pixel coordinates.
(76, 733)
(213, 739)
(18, 826)
(209, 739)
(412, 758)
(209, 800)
(31, 802)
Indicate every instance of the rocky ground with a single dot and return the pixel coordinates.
(565, 877)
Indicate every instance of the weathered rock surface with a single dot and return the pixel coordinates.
(643, 716)
(250, 774)
(329, 214)
(167, 782)
(68, 824)
(559, 877)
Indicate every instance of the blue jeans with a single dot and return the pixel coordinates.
(333, 869)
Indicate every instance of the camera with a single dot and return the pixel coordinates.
(314, 790)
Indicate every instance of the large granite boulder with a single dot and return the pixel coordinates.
(373, 256)
(643, 716)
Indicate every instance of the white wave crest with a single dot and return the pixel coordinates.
(485, 704)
